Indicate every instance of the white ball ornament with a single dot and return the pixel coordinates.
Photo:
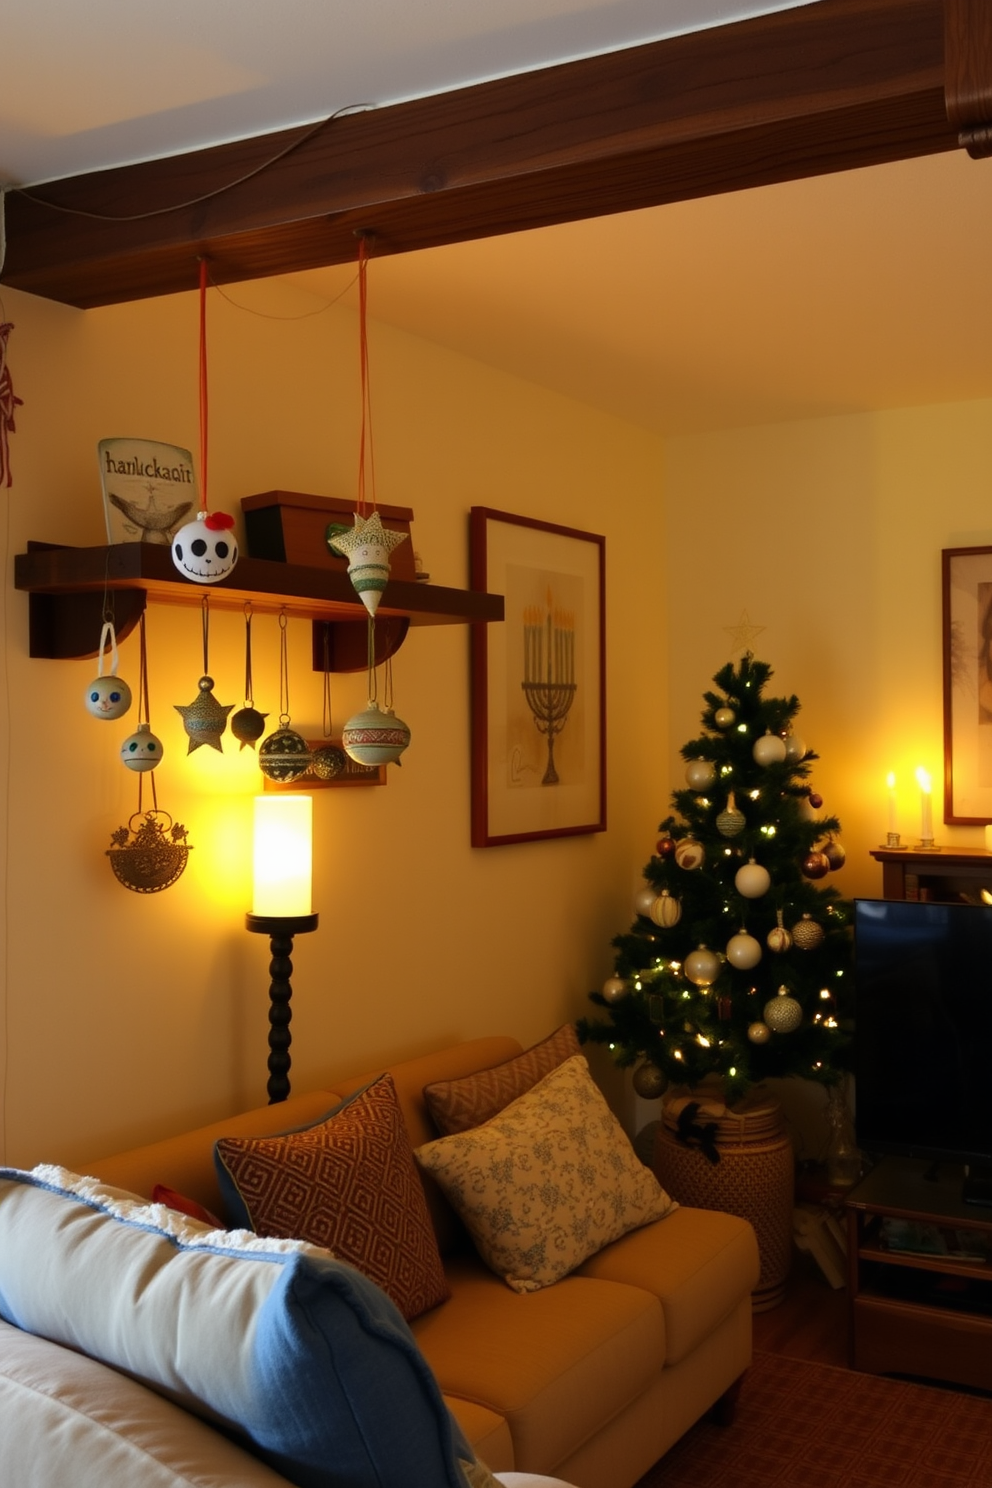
(700, 774)
(644, 901)
(206, 550)
(795, 748)
(783, 1013)
(615, 989)
(141, 750)
(107, 697)
(743, 951)
(752, 880)
(702, 967)
(759, 1033)
(724, 718)
(666, 911)
(769, 749)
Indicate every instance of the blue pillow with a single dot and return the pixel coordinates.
(298, 1355)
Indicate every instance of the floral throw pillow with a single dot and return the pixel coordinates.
(547, 1182)
(457, 1105)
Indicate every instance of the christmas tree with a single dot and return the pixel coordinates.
(738, 964)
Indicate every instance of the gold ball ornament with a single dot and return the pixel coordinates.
(702, 966)
(769, 749)
(700, 774)
(759, 1033)
(689, 853)
(615, 989)
(648, 1081)
(807, 934)
(724, 718)
(783, 1013)
(666, 911)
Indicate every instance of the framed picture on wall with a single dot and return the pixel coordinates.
(967, 636)
(538, 681)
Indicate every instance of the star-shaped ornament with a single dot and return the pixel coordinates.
(204, 719)
(367, 547)
(743, 633)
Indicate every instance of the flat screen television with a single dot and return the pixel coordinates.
(923, 1034)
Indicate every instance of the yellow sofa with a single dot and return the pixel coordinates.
(590, 1380)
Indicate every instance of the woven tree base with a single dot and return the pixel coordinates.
(755, 1179)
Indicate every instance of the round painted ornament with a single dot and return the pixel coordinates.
(759, 1033)
(769, 749)
(328, 762)
(815, 865)
(108, 696)
(783, 1013)
(666, 910)
(730, 823)
(648, 1081)
(752, 880)
(615, 989)
(702, 966)
(724, 718)
(807, 934)
(743, 951)
(834, 854)
(367, 546)
(142, 750)
(644, 902)
(700, 774)
(206, 550)
(374, 737)
(284, 755)
(689, 853)
(778, 938)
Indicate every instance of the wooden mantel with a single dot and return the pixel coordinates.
(824, 87)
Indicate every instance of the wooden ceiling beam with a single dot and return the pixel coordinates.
(826, 87)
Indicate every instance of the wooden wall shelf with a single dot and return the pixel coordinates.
(66, 593)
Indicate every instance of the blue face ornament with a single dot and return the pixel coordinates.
(107, 696)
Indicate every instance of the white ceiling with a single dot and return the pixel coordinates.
(866, 289)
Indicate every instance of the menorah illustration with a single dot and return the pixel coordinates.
(549, 673)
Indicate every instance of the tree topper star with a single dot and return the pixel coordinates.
(743, 633)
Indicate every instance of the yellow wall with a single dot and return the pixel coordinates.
(829, 533)
(126, 1017)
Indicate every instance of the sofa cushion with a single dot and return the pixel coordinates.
(556, 1364)
(458, 1105)
(548, 1181)
(71, 1420)
(349, 1183)
(699, 1264)
(296, 1354)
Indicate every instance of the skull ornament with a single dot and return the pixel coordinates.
(206, 550)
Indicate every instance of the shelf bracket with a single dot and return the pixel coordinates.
(66, 627)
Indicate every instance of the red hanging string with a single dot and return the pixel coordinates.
(203, 385)
(363, 353)
(8, 402)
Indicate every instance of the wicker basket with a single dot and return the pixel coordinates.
(755, 1178)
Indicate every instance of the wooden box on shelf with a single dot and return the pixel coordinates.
(291, 527)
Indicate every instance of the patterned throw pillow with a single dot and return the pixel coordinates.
(457, 1105)
(547, 1182)
(350, 1184)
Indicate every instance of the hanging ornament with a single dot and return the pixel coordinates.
(648, 1081)
(815, 800)
(769, 749)
(107, 696)
(778, 939)
(285, 755)
(783, 1013)
(204, 719)
(743, 951)
(690, 854)
(752, 880)
(795, 748)
(724, 718)
(815, 865)
(248, 724)
(700, 774)
(615, 989)
(205, 550)
(665, 847)
(8, 402)
(834, 854)
(374, 737)
(142, 750)
(666, 911)
(759, 1033)
(807, 934)
(730, 823)
(702, 966)
(644, 901)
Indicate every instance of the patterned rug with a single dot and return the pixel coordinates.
(802, 1425)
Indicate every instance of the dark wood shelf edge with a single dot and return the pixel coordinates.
(66, 587)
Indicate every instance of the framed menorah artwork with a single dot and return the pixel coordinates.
(538, 681)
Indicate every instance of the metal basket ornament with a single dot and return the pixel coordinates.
(151, 856)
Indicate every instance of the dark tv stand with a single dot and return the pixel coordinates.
(924, 1315)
